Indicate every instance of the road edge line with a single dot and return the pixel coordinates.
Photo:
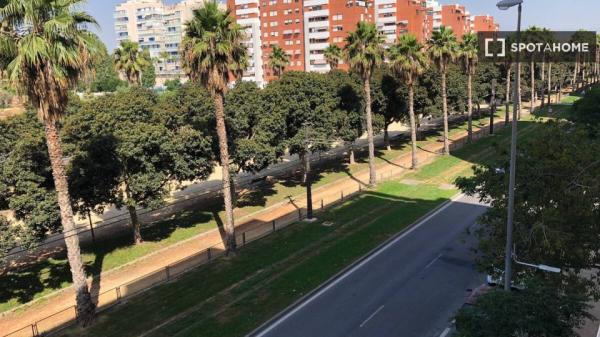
(257, 332)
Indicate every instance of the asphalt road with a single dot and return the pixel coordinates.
(410, 288)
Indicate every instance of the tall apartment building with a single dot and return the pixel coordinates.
(397, 17)
(302, 28)
(328, 22)
(484, 23)
(458, 18)
(158, 28)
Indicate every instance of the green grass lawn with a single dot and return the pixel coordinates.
(232, 296)
(49, 275)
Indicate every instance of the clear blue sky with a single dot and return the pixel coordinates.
(553, 14)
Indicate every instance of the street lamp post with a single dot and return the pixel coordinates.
(504, 5)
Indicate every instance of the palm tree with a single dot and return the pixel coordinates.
(533, 34)
(211, 48)
(443, 48)
(45, 61)
(364, 51)
(409, 61)
(469, 48)
(333, 55)
(131, 61)
(278, 60)
(240, 63)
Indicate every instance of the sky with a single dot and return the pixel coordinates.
(552, 14)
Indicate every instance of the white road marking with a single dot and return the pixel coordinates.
(358, 266)
(434, 261)
(445, 332)
(598, 333)
(372, 315)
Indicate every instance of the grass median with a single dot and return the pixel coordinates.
(232, 296)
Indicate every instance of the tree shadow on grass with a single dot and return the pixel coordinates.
(22, 285)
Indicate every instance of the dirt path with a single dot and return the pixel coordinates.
(161, 265)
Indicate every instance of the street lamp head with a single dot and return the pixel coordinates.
(506, 4)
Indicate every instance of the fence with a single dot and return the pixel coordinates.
(107, 299)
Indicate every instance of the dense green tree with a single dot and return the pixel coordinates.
(409, 61)
(306, 102)
(10, 236)
(173, 85)
(349, 112)
(364, 52)
(443, 49)
(211, 49)
(131, 61)
(106, 78)
(45, 61)
(136, 151)
(148, 76)
(26, 182)
(587, 109)
(255, 137)
(278, 60)
(536, 311)
(389, 101)
(557, 204)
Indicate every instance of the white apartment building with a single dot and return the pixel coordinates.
(247, 13)
(157, 27)
(435, 12)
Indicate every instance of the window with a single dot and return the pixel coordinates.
(338, 39)
(274, 24)
(273, 13)
(338, 28)
(338, 17)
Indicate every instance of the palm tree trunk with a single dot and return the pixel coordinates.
(413, 125)
(549, 84)
(372, 172)
(352, 154)
(470, 106)
(575, 71)
(445, 112)
(85, 306)
(507, 102)
(543, 75)
(230, 243)
(532, 86)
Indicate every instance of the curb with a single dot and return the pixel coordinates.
(349, 267)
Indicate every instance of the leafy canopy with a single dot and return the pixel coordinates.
(46, 50)
(212, 47)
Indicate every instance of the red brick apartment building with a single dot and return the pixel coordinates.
(304, 28)
(457, 18)
(484, 23)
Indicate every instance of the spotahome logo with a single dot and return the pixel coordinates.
(543, 45)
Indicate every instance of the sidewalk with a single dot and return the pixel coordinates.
(155, 264)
